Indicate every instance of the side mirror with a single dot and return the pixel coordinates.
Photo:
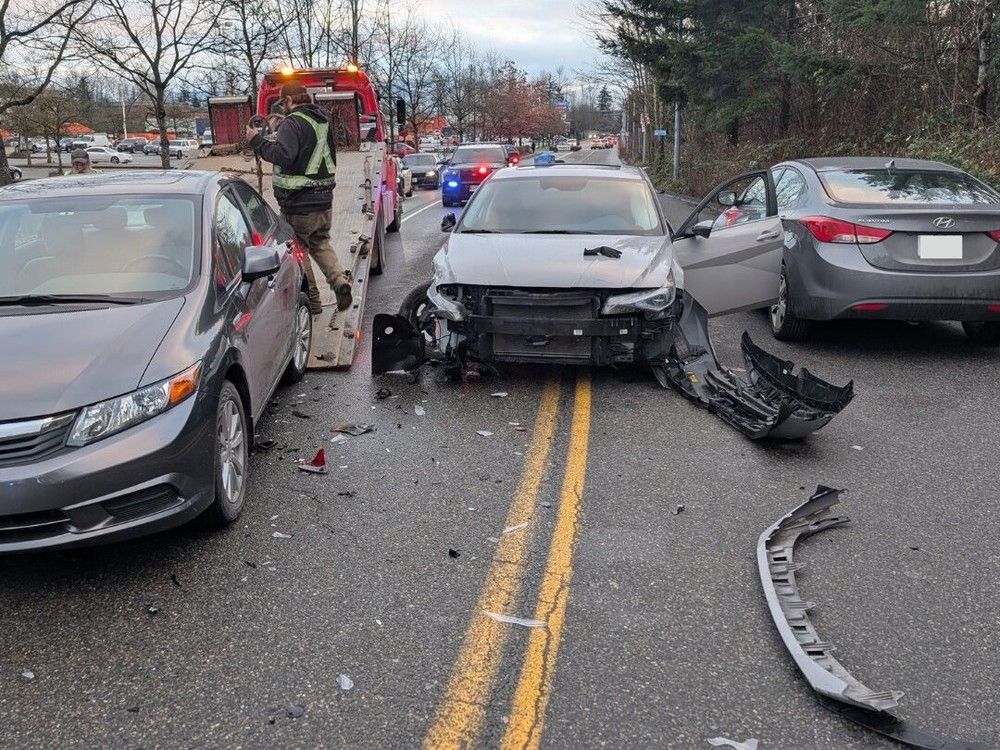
(726, 198)
(260, 261)
(448, 222)
(401, 111)
(702, 228)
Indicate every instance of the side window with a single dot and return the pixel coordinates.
(261, 215)
(741, 201)
(232, 236)
(791, 189)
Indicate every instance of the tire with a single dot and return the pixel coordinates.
(409, 308)
(378, 251)
(232, 458)
(446, 203)
(301, 342)
(115, 160)
(983, 333)
(784, 325)
(397, 218)
(409, 193)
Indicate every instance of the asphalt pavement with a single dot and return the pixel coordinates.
(348, 610)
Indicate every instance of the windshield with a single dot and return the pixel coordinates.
(555, 204)
(419, 160)
(878, 186)
(112, 245)
(475, 154)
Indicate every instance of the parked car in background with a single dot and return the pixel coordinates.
(131, 145)
(425, 169)
(207, 139)
(107, 155)
(430, 144)
(404, 178)
(15, 173)
(513, 155)
(468, 168)
(66, 144)
(86, 141)
(181, 147)
(152, 148)
(41, 145)
(401, 149)
(163, 309)
(877, 237)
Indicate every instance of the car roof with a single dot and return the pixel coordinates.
(152, 181)
(829, 163)
(564, 169)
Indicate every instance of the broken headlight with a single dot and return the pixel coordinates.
(654, 302)
(444, 298)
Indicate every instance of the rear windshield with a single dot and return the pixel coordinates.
(563, 205)
(880, 186)
(419, 160)
(474, 154)
(114, 245)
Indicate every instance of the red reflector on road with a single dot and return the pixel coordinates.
(995, 235)
(870, 307)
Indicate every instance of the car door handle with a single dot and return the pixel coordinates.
(770, 234)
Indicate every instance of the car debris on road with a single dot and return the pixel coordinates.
(836, 688)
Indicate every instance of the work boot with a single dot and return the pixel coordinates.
(343, 291)
(315, 307)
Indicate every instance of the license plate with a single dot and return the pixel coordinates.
(939, 246)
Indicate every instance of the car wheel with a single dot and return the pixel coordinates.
(784, 325)
(15, 174)
(301, 342)
(115, 160)
(413, 304)
(377, 251)
(446, 203)
(984, 333)
(232, 456)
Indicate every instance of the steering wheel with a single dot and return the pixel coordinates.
(158, 258)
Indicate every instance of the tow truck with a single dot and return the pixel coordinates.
(366, 204)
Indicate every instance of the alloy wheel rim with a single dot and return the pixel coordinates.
(778, 310)
(303, 337)
(232, 452)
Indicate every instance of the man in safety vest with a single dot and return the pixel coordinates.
(305, 166)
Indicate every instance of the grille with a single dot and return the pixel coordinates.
(142, 503)
(28, 441)
(26, 527)
(539, 345)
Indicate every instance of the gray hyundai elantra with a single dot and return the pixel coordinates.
(145, 320)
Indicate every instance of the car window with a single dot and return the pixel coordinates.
(745, 201)
(261, 215)
(902, 186)
(475, 154)
(791, 190)
(554, 204)
(232, 236)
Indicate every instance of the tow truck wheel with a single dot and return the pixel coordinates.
(378, 248)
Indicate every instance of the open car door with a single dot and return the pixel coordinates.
(730, 248)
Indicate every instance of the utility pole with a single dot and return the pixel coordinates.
(677, 112)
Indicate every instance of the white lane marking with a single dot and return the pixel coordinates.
(407, 217)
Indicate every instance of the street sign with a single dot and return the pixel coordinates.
(660, 133)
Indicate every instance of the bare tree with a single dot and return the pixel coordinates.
(151, 44)
(251, 30)
(418, 73)
(34, 40)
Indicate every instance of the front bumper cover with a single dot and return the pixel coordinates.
(837, 689)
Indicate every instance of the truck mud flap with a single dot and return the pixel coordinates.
(396, 345)
(836, 688)
(770, 402)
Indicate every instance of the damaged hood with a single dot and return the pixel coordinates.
(555, 261)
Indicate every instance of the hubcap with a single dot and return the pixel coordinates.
(232, 452)
(779, 309)
(303, 337)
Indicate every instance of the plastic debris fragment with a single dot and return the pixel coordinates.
(354, 429)
(317, 465)
(484, 433)
(511, 620)
(419, 410)
(750, 744)
(514, 529)
(345, 682)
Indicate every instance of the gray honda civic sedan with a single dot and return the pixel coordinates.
(145, 320)
(896, 239)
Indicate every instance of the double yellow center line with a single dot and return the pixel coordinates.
(460, 716)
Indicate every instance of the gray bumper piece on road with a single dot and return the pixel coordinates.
(837, 689)
(773, 402)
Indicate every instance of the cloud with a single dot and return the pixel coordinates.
(541, 35)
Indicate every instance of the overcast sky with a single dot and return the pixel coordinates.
(536, 34)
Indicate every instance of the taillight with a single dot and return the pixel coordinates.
(484, 170)
(870, 307)
(298, 252)
(825, 229)
(995, 235)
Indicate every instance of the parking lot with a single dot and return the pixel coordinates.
(346, 610)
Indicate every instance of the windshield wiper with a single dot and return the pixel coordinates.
(478, 231)
(558, 231)
(27, 300)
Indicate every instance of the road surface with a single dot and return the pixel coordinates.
(376, 576)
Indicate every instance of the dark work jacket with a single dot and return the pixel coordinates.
(291, 151)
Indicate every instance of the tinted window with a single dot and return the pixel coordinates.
(97, 245)
(232, 236)
(563, 205)
(875, 186)
(475, 154)
(419, 160)
(791, 189)
(261, 215)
